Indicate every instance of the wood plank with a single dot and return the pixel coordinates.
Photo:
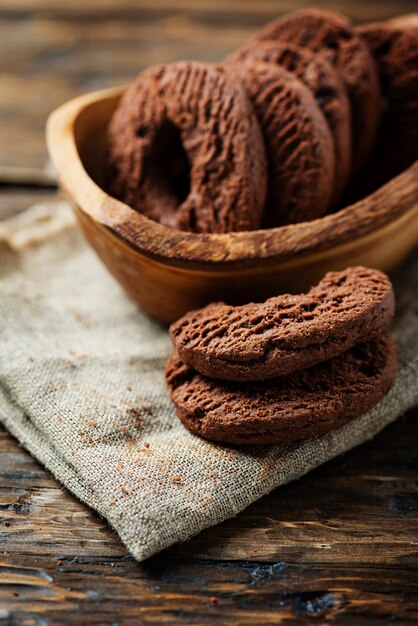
(340, 544)
(373, 9)
(58, 60)
(328, 517)
(53, 51)
(100, 591)
(14, 200)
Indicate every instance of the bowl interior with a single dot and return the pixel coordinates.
(169, 272)
(76, 136)
(90, 127)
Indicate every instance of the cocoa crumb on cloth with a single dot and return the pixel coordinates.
(65, 270)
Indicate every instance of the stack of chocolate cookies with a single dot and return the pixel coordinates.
(275, 133)
(293, 367)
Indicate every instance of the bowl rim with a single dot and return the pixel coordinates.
(372, 213)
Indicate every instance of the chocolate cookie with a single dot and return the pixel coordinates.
(298, 143)
(395, 50)
(184, 148)
(326, 86)
(332, 35)
(302, 404)
(287, 332)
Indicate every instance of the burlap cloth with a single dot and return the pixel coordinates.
(82, 388)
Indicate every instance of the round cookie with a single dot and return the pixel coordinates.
(303, 404)
(184, 148)
(298, 143)
(331, 34)
(288, 332)
(326, 86)
(395, 50)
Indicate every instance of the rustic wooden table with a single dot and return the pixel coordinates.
(340, 545)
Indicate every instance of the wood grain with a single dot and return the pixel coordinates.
(51, 51)
(14, 200)
(337, 547)
(169, 272)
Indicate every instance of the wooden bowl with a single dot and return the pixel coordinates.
(169, 272)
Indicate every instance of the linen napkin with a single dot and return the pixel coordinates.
(82, 388)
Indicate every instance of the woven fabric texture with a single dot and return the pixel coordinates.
(82, 388)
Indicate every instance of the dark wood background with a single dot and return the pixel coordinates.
(339, 546)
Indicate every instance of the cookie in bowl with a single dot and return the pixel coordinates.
(298, 141)
(332, 35)
(395, 50)
(179, 215)
(184, 148)
(325, 84)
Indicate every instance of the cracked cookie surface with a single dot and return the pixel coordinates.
(324, 82)
(298, 143)
(184, 148)
(395, 50)
(332, 35)
(302, 404)
(287, 332)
